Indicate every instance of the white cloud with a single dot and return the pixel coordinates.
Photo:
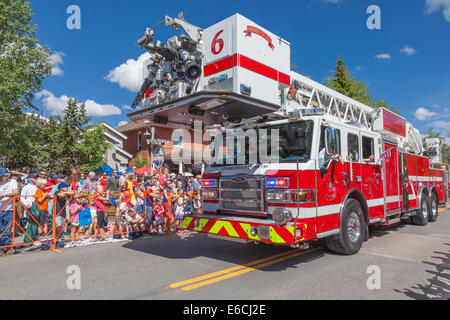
(436, 5)
(436, 106)
(383, 56)
(56, 105)
(424, 114)
(56, 60)
(122, 123)
(130, 74)
(125, 107)
(408, 51)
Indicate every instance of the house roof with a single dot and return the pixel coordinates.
(131, 126)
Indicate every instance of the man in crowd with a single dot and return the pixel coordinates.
(123, 177)
(8, 189)
(28, 192)
(184, 182)
(112, 185)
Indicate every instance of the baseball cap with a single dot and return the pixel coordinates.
(33, 175)
(61, 176)
(4, 171)
(62, 185)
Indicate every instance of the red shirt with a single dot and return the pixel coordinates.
(103, 183)
(100, 204)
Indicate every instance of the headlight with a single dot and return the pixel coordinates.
(281, 216)
(210, 195)
(281, 196)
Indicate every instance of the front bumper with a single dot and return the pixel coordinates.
(241, 228)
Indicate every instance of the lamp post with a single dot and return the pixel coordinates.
(152, 141)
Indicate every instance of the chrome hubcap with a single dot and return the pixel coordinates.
(424, 210)
(353, 227)
(434, 209)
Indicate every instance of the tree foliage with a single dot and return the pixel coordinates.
(23, 66)
(67, 142)
(343, 82)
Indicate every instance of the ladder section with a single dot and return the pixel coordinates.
(306, 94)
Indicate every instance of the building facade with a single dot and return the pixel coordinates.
(116, 156)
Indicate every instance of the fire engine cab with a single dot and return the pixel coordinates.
(322, 165)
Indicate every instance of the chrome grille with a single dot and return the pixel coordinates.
(242, 193)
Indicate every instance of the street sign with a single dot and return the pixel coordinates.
(158, 157)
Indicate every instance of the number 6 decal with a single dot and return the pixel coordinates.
(216, 42)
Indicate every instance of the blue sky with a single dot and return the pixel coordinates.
(407, 62)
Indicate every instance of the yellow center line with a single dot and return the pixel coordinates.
(218, 273)
(443, 209)
(249, 269)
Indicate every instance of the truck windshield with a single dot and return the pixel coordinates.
(287, 142)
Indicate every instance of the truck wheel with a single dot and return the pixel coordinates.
(422, 214)
(434, 210)
(351, 237)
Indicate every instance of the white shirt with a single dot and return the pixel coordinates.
(6, 188)
(27, 195)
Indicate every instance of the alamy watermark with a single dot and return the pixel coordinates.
(374, 20)
(73, 281)
(374, 280)
(73, 22)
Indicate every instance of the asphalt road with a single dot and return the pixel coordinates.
(413, 263)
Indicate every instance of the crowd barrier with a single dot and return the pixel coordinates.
(59, 231)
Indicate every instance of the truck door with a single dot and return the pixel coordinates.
(372, 184)
(352, 174)
(330, 190)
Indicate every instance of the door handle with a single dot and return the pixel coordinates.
(378, 178)
(344, 179)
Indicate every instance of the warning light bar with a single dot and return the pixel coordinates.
(278, 183)
(210, 183)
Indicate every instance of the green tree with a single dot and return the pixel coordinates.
(140, 163)
(23, 66)
(343, 82)
(67, 143)
(92, 148)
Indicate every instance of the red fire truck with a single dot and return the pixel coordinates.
(338, 166)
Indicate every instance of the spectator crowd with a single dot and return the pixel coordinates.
(91, 206)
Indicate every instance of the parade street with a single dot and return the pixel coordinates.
(412, 261)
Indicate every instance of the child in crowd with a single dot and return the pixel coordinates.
(100, 204)
(75, 208)
(158, 212)
(179, 203)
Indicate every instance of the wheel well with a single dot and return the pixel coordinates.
(356, 195)
(434, 191)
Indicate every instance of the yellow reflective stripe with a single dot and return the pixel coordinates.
(201, 224)
(228, 227)
(246, 227)
(275, 237)
(186, 222)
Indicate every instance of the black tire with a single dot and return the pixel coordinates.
(434, 208)
(422, 214)
(351, 237)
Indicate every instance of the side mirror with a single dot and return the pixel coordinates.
(331, 142)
